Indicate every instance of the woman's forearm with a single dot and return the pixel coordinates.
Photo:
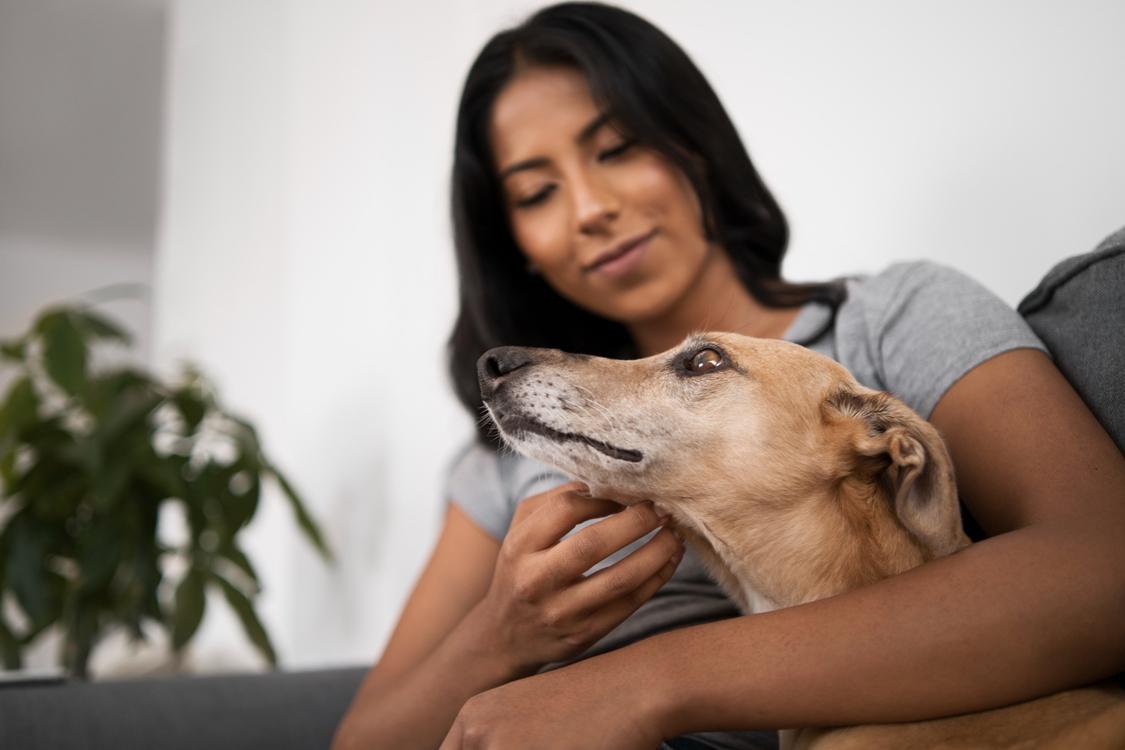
(1015, 617)
(416, 709)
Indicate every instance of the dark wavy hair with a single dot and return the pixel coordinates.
(650, 86)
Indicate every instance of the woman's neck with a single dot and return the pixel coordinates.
(717, 301)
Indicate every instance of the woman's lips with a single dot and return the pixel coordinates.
(623, 261)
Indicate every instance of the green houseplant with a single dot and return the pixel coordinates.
(87, 462)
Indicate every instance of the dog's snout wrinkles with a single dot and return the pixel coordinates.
(494, 364)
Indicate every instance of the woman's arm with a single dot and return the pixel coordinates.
(483, 613)
(1033, 610)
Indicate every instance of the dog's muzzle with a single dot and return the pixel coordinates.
(493, 369)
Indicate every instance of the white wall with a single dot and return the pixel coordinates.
(81, 95)
(305, 258)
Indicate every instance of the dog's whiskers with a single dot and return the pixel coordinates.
(494, 431)
(607, 413)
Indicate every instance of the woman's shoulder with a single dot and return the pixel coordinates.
(924, 296)
(903, 280)
(915, 327)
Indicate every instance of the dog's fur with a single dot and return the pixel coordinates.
(791, 480)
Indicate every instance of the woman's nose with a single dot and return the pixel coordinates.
(595, 204)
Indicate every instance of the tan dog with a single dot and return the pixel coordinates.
(791, 480)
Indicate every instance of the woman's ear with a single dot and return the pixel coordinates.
(917, 470)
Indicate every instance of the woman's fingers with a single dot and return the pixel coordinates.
(608, 617)
(529, 505)
(544, 608)
(577, 553)
(555, 515)
(629, 578)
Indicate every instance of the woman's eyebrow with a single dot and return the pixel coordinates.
(585, 134)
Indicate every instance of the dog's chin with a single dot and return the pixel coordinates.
(517, 428)
(601, 470)
(577, 461)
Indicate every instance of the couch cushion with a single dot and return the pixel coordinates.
(277, 710)
(1078, 310)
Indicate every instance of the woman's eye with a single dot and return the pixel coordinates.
(706, 360)
(617, 150)
(535, 198)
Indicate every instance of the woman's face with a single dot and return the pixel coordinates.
(612, 225)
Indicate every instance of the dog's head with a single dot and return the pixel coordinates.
(745, 441)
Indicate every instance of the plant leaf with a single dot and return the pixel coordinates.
(14, 349)
(64, 351)
(57, 496)
(192, 407)
(38, 590)
(191, 601)
(143, 581)
(81, 635)
(239, 507)
(53, 483)
(108, 387)
(163, 476)
(304, 520)
(100, 326)
(7, 466)
(17, 413)
(10, 649)
(99, 554)
(137, 565)
(213, 483)
(248, 443)
(129, 411)
(244, 608)
(110, 483)
(229, 551)
(19, 410)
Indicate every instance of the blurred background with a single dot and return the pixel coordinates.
(263, 186)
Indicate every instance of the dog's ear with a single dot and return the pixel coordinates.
(911, 462)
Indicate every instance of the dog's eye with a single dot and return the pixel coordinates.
(706, 360)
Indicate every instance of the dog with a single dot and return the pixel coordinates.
(791, 480)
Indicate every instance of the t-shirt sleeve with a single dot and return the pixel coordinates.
(475, 485)
(930, 324)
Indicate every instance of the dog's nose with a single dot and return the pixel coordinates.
(494, 364)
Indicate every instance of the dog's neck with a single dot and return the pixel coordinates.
(807, 548)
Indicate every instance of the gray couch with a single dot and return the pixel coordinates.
(1078, 310)
(274, 711)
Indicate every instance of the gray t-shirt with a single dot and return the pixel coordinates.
(912, 330)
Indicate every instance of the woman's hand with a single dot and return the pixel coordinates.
(574, 707)
(539, 607)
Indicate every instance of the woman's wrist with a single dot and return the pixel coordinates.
(480, 637)
(662, 697)
(644, 679)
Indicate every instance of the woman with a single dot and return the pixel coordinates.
(603, 203)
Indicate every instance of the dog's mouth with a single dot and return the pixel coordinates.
(514, 423)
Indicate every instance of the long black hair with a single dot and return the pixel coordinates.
(650, 86)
